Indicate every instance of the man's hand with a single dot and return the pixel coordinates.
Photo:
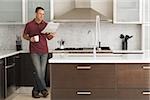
(52, 34)
(32, 39)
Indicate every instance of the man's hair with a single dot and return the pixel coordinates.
(38, 8)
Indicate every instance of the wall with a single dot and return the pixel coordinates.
(77, 35)
(8, 36)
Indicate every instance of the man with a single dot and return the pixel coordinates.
(38, 50)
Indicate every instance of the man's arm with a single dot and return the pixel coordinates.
(26, 36)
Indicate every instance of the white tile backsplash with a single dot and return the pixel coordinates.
(77, 35)
(82, 35)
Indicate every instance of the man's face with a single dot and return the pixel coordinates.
(40, 14)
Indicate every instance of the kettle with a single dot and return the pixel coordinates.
(61, 43)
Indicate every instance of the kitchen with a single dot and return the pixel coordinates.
(71, 33)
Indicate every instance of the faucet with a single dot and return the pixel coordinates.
(97, 33)
(125, 41)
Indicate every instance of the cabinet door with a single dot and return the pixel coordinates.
(1, 79)
(11, 11)
(128, 11)
(27, 69)
(133, 75)
(83, 75)
(18, 69)
(133, 94)
(146, 11)
(32, 4)
(146, 36)
(88, 94)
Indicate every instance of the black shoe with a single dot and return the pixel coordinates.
(44, 93)
(35, 94)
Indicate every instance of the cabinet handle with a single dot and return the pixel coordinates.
(83, 67)
(17, 57)
(84, 93)
(10, 66)
(146, 93)
(146, 67)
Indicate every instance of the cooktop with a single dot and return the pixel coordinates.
(102, 48)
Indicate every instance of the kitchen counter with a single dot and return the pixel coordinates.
(7, 53)
(100, 58)
(100, 51)
(119, 57)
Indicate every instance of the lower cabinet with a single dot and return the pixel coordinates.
(133, 94)
(133, 81)
(1, 79)
(27, 69)
(83, 82)
(133, 75)
(83, 76)
(17, 70)
(83, 94)
(100, 81)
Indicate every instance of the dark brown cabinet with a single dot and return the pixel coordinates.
(83, 81)
(133, 75)
(133, 81)
(83, 94)
(1, 79)
(83, 76)
(27, 69)
(17, 69)
(133, 94)
(100, 81)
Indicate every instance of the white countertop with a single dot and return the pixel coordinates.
(7, 53)
(88, 58)
(101, 58)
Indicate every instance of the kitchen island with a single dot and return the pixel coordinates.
(104, 77)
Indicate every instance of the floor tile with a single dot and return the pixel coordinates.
(28, 97)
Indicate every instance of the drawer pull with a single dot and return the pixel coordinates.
(10, 66)
(146, 67)
(84, 93)
(83, 67)
(146, 93)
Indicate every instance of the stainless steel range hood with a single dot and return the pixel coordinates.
(81, 13)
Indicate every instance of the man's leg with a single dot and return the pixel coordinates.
(43, 66)
(37, 75)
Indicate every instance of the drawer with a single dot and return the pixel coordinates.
(83, 94)
(133, 75)
(133, 94)
(83, 76)
(9, 60)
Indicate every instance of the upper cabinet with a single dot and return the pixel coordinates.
(21, 11)
(31, 6)
(78, 10)
(127, 11)
(11, 11)
(146, 11)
